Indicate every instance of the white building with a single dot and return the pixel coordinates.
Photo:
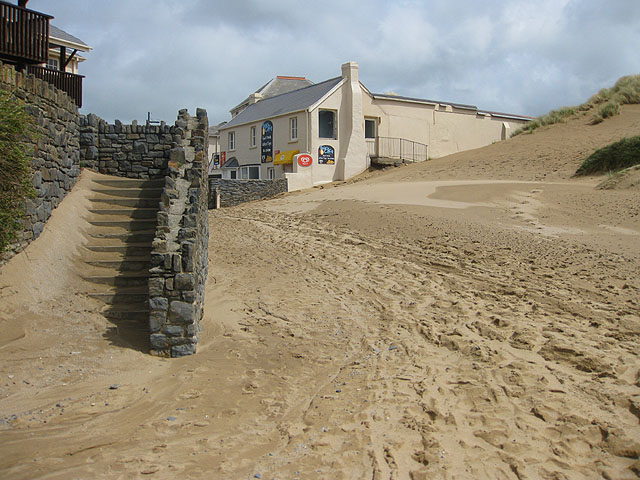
(329, 131)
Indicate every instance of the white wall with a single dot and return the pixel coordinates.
(443, 128)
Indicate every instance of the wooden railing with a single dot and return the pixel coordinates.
(65, 81)
(24, 34)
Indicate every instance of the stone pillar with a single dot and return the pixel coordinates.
(180, 247)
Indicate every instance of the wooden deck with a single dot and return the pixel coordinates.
(24, 34)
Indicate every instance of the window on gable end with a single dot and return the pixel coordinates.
(327, 124)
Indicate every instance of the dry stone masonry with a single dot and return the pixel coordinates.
(235, 192)
(179, 256)
(132, 151)
(56, 156)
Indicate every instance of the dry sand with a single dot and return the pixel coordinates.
(476, 316)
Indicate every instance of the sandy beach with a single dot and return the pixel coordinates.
(474, 316)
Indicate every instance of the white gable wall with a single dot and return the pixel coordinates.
(251, 155)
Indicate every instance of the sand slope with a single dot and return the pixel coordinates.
(471, 317)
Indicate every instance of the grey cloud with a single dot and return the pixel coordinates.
(163, 55)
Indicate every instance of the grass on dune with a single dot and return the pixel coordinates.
(604, 104)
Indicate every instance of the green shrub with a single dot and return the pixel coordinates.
(15, 166)
(614, 157)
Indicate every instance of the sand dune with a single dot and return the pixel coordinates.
(475, 316)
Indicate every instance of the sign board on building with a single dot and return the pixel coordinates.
(285, 158)
(305, 160)
(267, 142)
(326, 155)
(223, 158)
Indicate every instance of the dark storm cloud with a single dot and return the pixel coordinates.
(518, 56)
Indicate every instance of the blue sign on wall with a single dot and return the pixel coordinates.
(267, 142)
(326, 155)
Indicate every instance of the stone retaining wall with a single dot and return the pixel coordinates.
(235, 192)
(132, 151)
(179, 256)
(56, 156)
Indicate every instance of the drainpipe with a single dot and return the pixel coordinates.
(309, 132)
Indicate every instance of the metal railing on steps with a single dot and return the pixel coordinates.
(398, 148)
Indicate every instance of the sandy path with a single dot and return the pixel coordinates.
(469, 351)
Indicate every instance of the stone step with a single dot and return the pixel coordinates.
(130, 192)
(135, 213)
(134, 330)
(108, 238)
(135, 249)
(127, 202)
(128, 264)
(138, 312)
(122, 296)
(130, 182)
(121, 280)
(388, 162)
(130, 224)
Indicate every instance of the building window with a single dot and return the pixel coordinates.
(250, 173)
(233, 174)
(293, 128)
(327, 124)
(252, 136)
(52, 63)
(369, 129)
(232, 140)
(271, 173)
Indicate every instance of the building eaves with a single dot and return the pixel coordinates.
(400, 98)
(507, 115)
(57, 35)
(289, 102)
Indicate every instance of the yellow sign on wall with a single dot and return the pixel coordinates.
(285, 158)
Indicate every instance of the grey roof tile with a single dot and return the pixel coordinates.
(282, 104)
(280, 85)
(277, 86)
(56, 32)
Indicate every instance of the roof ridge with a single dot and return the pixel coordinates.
(298, 89)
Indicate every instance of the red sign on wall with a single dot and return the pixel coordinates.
(223, 158)
(305, 160)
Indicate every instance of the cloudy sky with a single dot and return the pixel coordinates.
(516, 56)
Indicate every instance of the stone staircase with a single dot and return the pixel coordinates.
(122, 218)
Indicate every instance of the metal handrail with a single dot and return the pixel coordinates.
(402, 149)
